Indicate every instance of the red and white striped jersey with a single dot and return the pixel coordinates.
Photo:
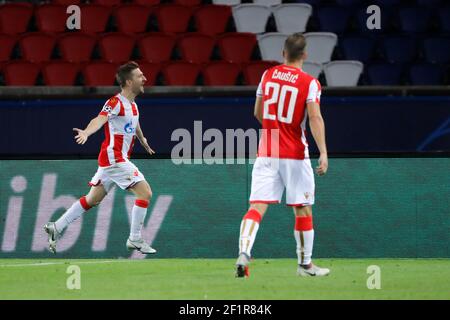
(120, 130)
(285, 91)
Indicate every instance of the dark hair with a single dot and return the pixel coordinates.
(124, 72)
(294, 46)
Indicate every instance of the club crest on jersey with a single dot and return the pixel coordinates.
(107, 108)
(129, 127)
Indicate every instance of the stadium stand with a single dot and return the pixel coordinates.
(411, 48)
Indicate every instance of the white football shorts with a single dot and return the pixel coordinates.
(270, 176)
(124, 174)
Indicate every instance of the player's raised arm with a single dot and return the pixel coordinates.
(317, 126)
(93, 126)
(143, 140)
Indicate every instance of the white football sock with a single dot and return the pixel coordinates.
(75, 211)
(249, 229)
(137, 219)
(305, 240)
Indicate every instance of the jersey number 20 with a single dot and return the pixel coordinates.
(279, 97)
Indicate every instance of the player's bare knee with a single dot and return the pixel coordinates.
(148, 194)
(93, 201)
(303, 211)
(260, 207)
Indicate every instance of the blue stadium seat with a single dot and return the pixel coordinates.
(414, 19)
(425, 74)
(349, 3)
(429, 3)
(398, 49)
(444, 18)
(384, 74)
(357, 48)
(311, 2)
(437, 50)
(387, 3)
(333, 19)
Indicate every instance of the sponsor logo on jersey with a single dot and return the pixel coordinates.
(129, 127)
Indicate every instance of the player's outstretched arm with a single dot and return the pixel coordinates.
(93, 126)
(317, 126)
(143, 140)
(258, 112)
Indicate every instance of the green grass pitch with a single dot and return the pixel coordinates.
(214, 279)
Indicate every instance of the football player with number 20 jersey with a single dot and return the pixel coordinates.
(286, 98)
(120, 120)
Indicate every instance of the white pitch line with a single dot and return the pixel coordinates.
(58, 263)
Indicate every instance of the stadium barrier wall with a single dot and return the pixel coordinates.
(365, 124)
(372, 207)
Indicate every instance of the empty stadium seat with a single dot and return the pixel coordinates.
(320, 46)
(14, 18)
(116, 47)
(384, 74)
(313, 3)
(188, 3)
(425, 74)
(221, 73)
(333, 19)
(271, 46)
(51, 18)
(156, 47)
(312, 68)
(444, 18)
(414, 19)
(21, 73)
(268, 2)
(196, 47)
(398, 49)
(173, 18)
(357, 48)
(37, 47)
(348, 3)
(292, 17)
(343, 73)
(253, 71)
(437, 50)
(237, 47)
(251, 17)
(66, 2)
(132, 18)
(181, 73)
(60, 73)
(7, 45)
(108, 2)
(429, 3)
(151, 71)
(95, 18)
(147, 2)
(99, 73)
(387, 3)
(212, 19)
(76, 47)
(226, 2)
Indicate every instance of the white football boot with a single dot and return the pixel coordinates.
(53, 236)
(141, 246)
(312, 271)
